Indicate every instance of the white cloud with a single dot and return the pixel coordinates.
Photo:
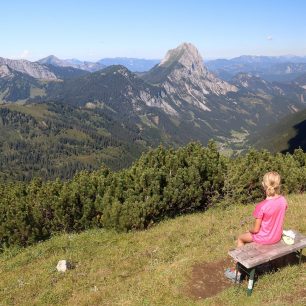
(25, 54)
(269, 37)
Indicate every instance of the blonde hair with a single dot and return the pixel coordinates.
(271, 182)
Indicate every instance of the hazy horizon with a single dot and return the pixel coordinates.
(157, 59)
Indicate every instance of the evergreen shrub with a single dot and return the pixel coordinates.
(163, 183)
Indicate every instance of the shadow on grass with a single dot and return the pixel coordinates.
(276, 264)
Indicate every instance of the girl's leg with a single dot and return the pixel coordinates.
(244, 238)
(232, 273)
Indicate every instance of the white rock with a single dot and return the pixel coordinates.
(63, 266)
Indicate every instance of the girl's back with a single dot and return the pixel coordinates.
(271, 212)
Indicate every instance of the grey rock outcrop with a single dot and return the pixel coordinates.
(4, 71)
(35, 70)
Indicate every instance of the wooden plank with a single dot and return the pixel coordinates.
(253, 254)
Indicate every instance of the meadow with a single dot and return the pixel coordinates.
(157, 266)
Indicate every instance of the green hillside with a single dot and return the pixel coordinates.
(164, 265)
(284, 136)
(53, 140)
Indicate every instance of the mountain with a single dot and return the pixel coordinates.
(121, 91)
(176, 108)
(114, 86)
(252, 83)
(34, 70)
(18, 87)
(181, 98)
(66, 72)
(51, 60)
(275, 99)
(177, 101)
(182, 71)
(74, 63)
(270, 68)
(133, 64)
(246, 82)
(301, 80)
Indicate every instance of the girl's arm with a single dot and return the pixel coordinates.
(256, 226)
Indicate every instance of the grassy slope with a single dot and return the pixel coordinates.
(145, 268)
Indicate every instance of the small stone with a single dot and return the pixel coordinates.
(63, 266)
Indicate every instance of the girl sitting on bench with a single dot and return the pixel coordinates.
(269, 217)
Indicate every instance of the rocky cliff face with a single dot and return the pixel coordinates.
(34, 70)
(4, 71)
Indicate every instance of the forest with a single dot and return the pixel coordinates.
(55, 140)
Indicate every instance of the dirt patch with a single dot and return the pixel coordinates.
(207, 279)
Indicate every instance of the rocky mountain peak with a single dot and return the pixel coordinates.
(183, 66)
(185, 54)
(50, 60)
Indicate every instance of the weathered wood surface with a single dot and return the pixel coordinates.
(253, 254)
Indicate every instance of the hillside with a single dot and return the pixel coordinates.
(18, 87)
(50, 140)
(160, 266)
(284, 136)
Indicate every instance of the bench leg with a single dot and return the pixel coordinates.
(300, 256)
(236, 276)
(251, 282)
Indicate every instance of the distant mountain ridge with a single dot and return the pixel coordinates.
(270, 68)
(85, 65)
(133, 64)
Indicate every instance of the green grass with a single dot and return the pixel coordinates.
(149, 267)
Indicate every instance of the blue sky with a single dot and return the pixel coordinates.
(95, 29)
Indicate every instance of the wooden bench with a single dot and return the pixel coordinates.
(252, 255)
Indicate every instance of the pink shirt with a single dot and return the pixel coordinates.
(272, 213)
